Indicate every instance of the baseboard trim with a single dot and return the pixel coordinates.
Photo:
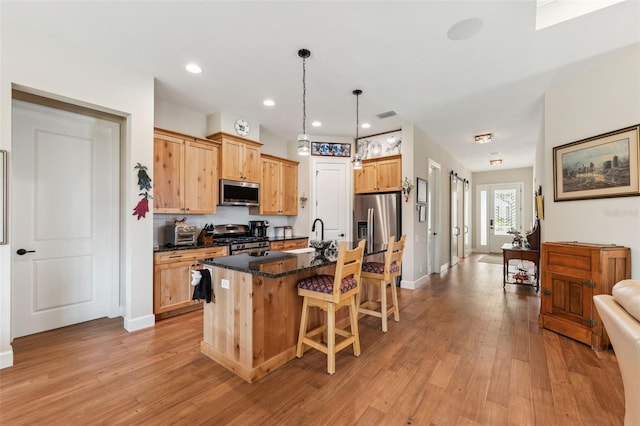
(6, 359)
(412, 285)
(444, 267)
(139, 323)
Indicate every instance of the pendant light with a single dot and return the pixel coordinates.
(304, 144)
(357, 160)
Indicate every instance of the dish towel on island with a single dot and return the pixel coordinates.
(202, 289)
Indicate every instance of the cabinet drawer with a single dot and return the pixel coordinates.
(174, 256)
(210, 252)
(289, 244)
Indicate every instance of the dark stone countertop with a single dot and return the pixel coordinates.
(287, 263)
(199, 246)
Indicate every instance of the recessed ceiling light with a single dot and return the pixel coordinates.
(365, 125)
(268, 102)
(193, 68)
(495, 162)
(486, 138)
(316, 124)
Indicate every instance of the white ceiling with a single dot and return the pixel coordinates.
(398, 53)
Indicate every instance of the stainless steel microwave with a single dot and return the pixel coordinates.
(237, 193)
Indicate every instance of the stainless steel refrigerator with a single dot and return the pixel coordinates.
(376, 217)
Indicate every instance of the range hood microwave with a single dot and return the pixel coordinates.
(237, 193)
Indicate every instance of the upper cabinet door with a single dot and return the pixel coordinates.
(233, 159)
(185, 174)
(389, 174)
(201, 178)
(289, 189)
(168, 170)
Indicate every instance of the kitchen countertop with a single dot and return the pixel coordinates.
(199, 246)
(290, 263)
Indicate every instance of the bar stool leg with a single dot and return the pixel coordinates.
(394, 297)
(353, 316)
(331, 338)
(303, 327)
(383, 304)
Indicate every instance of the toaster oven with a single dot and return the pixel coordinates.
(181, 234)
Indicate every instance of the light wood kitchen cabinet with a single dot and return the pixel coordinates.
(278, 187)
(281, 245)
(185, 173)
(571, 274)
(172, 289)
(379, 175)
(240, 158)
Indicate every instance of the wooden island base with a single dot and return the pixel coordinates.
(252, 327)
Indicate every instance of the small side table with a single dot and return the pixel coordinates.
(510, 252)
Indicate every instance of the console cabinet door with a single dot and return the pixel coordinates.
(172, 285)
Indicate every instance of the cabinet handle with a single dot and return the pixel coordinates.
(546, 292)
(173, 257)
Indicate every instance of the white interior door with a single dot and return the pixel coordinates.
(332, 184)
(433, 218)
(499, 209)
(64, 215)
(456, 230)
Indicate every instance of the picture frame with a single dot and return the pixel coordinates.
(421, 197)
(3, 197)
(380, 144)
(422, 213)
(602, 166)
(331, 149)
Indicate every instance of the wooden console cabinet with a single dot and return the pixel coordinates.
(572, 273)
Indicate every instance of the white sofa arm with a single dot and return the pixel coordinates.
(624, 332)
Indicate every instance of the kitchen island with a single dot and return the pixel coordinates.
(251, 326)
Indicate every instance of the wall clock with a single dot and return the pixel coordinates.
(242, 127)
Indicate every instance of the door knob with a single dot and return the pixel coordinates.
(546, 292)
(340, 235)
(22, 252)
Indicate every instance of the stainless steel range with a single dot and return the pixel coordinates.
(240, 239)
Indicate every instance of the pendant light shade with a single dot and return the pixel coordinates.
(304, 144)
(357, 158)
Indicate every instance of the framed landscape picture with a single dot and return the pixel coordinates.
(599, 167)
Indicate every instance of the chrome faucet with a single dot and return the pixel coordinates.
(313, 227)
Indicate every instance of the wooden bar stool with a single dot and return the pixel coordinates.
(330, 293)
(383, 275)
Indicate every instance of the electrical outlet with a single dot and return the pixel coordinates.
(225, 283)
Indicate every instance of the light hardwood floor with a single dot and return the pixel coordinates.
(464, 352)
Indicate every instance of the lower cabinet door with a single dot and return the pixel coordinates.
(173, 289)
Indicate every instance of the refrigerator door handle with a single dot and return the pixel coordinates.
(370, 227)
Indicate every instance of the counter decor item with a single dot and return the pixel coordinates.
(602, 166)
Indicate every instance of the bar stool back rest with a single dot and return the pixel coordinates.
(383, 275)
(315, 292)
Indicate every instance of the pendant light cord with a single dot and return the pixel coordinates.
(304, 95)
(357, 116)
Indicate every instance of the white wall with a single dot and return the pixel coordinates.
(603, 99)
(33, 61)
